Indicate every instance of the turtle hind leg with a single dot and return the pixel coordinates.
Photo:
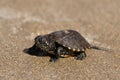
(81, 56)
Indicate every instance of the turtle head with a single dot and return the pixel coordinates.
(45, 43)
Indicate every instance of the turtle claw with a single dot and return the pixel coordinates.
(53, 60)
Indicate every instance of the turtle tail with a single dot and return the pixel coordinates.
(99, 48)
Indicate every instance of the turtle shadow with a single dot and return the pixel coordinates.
(34, 51)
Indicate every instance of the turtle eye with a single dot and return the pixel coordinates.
(46, 43)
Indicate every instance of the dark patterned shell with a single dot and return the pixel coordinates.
(70, 39)
(57, 35)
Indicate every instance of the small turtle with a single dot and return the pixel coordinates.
(63, 43)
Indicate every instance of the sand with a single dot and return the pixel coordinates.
(21, 21)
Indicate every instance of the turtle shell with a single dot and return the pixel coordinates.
(70, 39)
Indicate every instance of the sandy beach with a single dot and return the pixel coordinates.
(21, 21)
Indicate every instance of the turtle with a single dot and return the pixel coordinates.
(62, 44)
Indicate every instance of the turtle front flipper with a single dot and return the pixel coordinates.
(60, 52)
(80, 55)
